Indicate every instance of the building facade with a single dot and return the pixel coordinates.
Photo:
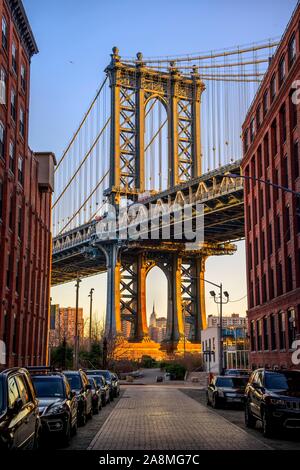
(227, 320)
(62, 325)
(26, 184)
(272, 215)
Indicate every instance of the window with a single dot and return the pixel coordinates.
(285, 172)
(14, 57)
(245, 140)
(266, 334)
(273, 332)
(263, 246)
(266, 150)
(289, 274)
(12, 157)
(291, 326)
(22, 386)
(270, 240)
(252, 337)
(4, 33)
(17, 275)
(259, 335)
(1, 199)
(271, 284)
(287, 229)
(10, 221)
(293, 112)
(265, 103)
(23, 77)
(281, 319)
(279, 280)
(292, 50)
(264, 288)
(22, 124)
(259, 161)
(282, 115)
(251, 293)
(2, 141)
(3, 78)
(258, 120)
(273, 87)
(278, 231)
(281, 70)
(252, 130)
(254, 211)
(250, 255)
(13, 392)
(20, 222)
(256, 251)
(276, 191)
(13, 110)
(274, 137)
(20, 170)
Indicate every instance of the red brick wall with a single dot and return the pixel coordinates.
(23, 314)
(265, 208)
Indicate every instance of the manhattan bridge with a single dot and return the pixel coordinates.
(160, 131)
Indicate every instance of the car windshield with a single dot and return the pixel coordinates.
(2, 401)
(231, 382)
(91, 380)
(48, 387)
(106, 374)
(74, 381)
(289, 381)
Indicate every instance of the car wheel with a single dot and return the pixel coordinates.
(208, 403)
(103, 401)
(268, 431)
(82, 419)
(215, 402)
(67, 436)
(90, 415)
(74, 428)
(37, 440)
(250, 421)
(96, 410)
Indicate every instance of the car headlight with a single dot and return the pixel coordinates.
(277, 401)
(220, 393)
(55, 410)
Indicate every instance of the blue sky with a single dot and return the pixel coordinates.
(75, 38)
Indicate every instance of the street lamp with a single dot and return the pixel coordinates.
(76, 338)
(220, 301)
(91, 307)
(267, 182)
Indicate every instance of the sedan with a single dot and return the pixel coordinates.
(225, 390)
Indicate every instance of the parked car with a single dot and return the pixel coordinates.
(239, 372)
(20, 423)
(57, 405)
(79, 383)
(115, 384)
(103, 386)
(108, 378)
(273, 397)
(225, 390)
(96, 395)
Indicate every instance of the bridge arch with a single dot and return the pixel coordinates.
(159, 303)
(156, 162)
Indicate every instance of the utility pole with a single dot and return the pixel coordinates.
(91, 313)
(220, 302)
(76, 338)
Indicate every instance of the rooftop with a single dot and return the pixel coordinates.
(22, 24)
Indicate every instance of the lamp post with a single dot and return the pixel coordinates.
(220, 302)
(91, 312)
(76, 338)
(267, 182)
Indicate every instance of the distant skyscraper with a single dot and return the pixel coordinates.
(63, 321)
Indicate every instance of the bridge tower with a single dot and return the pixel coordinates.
(132, 87)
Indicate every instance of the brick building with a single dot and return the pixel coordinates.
(26, 184)
(62, 325)
(272, 216)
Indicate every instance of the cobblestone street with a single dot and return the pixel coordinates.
(151, 417)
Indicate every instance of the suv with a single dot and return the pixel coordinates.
(80, 385)
(226, 390)
(57, 405)
(19, 414)
(103, 388)
(108, 378)
(273, 397)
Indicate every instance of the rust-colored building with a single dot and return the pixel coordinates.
(26, 184)
(62, 325)
(272, 216)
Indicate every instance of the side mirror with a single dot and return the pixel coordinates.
(256, 386)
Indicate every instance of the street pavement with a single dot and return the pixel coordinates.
(163, 417)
